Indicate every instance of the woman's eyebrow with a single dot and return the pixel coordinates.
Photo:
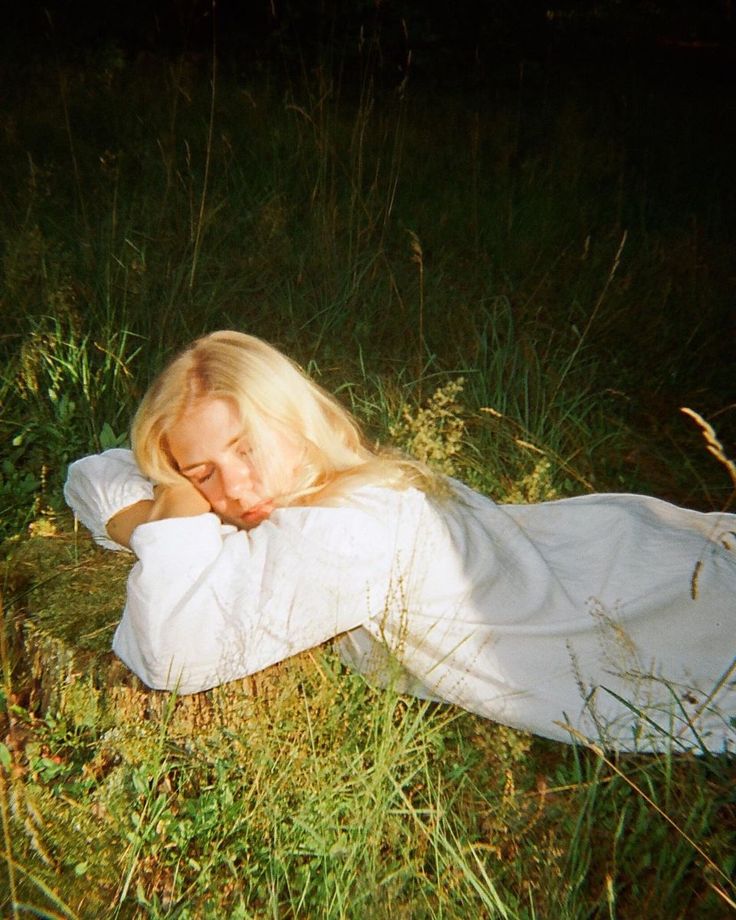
(193, 466)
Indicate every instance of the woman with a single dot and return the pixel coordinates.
(273, 526)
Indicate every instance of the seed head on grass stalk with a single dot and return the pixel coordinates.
(714, 446)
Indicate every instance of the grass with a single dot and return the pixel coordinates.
(490, 285)
(303, 793)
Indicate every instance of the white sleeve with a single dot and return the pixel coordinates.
(208, 603)
(99, 486)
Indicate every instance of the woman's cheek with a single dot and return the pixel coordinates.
(208, 492)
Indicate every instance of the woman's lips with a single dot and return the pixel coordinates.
(257, 513)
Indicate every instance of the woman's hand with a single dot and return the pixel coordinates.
(182, 500)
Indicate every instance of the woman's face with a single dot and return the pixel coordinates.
(210, 449)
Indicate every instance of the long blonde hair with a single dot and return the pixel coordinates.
(270, 389)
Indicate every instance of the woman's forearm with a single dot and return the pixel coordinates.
(207, 604)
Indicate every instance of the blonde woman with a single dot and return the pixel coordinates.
(264, 524)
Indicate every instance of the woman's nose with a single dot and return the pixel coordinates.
(235, 481)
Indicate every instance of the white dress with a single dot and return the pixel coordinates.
(611, 616)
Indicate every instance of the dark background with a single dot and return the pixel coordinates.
(461, 43)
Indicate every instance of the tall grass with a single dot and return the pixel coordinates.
(380, 233)
(490, 285)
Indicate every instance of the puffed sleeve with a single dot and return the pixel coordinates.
(208, 603)
(99, 486)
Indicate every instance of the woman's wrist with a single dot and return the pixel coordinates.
(120, 527)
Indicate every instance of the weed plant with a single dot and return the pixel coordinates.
(499, 286)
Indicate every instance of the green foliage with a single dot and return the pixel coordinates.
(434, 433)
(60, 394)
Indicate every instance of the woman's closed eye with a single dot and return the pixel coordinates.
(200, 477)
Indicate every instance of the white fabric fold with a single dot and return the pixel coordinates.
(99, 486)
(609, 615)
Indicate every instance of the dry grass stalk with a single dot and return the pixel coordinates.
(711, 439)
